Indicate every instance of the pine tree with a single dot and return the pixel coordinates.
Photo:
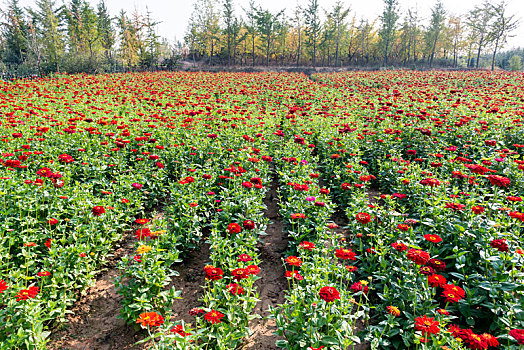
(313, 28)
(338, 16)
(16, 33)
(388, 29)
(105, 30)
(438, 16)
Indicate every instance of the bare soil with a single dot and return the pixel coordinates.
(272, 284)
(94, 323)
(190, 282)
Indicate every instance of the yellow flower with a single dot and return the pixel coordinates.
(143, 249)
(157, 233)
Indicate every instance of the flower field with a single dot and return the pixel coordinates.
(399, 194)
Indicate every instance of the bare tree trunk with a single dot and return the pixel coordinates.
(494, 54)
(299, 47)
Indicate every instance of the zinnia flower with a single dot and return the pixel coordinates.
(329, 294)
(233, 228)
(345, 254)
(436, 280)
(433, 238)
(500, 245)
(253, 269)
(98, 210)
(151, 319)
(214, 316)
(294, 261)
(393, 310)
(500, 181)
(419, 257)
(3, 286)
(25, 294)
(427, 325)
(179, 329)
(518, 334)
(363, 218)
(249, 224)
(213, 273)
(235, 289)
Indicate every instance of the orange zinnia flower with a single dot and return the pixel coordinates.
(151, 319)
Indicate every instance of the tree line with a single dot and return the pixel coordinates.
(217, 34)
(79, 37)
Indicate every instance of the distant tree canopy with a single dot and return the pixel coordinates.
(76, 36)
(337, 37)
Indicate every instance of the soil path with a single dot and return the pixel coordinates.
(93, 323)
(272, 284)
(190, 282)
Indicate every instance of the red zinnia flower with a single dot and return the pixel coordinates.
(500, 181)
(518, 334)
(179, 329)
(142, 233)
(438, 265)
(298, 216)
(213, 273)
(214, 316)
(345, 254)
(235, 289)
(98, 210)
(426, 270)
(490, 340)
(436, 280)
(3, 286)
(233, 228)
(475, 341)
(500, 245)
(477, 209)
(249, 224)
(329, 294)
(253, 269)
(25, 294)
(453, 293)
(399, 246)
(455, 206)
(294, 274)
(427, 325)
(430, 182)
(52, 221)
(358, 286)
(294, 261)
(244, 258)
(433, 238)
(239, 274)
(363, 218)
(419, 257)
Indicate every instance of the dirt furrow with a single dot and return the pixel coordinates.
(272, 284)
(94, 323)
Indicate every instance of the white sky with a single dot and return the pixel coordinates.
(174, 14)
